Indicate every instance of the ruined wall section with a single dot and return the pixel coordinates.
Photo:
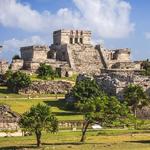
(4, 65)
(17, 64)
(84, 58)
(114, 83)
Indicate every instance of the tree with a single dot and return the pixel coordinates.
(8, 74)
(45, 71)
(96, 106)
(146, 67)
(17, 81)
(135, 97)
(102, 110)
(16, 57)
(85, 89)
(37, 119)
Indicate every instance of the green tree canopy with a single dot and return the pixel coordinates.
(39, 118)
(86, 89)
(17, 80)
(146, 67)
(96, 106)
(45, 71)
(102, 110)
(8, 74)
(16, 57)
(135, 97)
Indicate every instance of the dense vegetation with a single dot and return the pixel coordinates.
(45, 71)
(16, 57)
(146, 67)
(17, 80)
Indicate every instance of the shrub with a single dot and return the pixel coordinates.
(16, 57)
(17, 81)
(45, 71)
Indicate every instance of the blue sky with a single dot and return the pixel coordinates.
(114, 23)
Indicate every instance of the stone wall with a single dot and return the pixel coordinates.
(114, 84)
(4, 65)
(8, 119)
(34, 53)
(71, 37)
(47, 87)
(17, 64)
(84, 59)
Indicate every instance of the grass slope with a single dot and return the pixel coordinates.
(57, 107)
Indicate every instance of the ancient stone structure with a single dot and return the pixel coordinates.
(72, 51)
(4, 65)
(114, 82)
(16, 64)
(8, 119)
(47, 87)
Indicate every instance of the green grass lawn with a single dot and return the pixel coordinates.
(57, 107)
(4, 93)
(70, 141)
(34, 77)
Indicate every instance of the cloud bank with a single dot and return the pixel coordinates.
(106, 18)
(11, 47)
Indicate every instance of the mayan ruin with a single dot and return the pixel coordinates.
(74, 75)
(72, 52)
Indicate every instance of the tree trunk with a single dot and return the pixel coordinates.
(84, 129)
(135, 115)
(38, 138)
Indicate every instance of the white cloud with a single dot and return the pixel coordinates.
(15, 43)
(147, 35)
(106, 18)
(12, 46)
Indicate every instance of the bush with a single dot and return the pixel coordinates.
(45, 71)
(16, 57)
(8, 74)
(17, 81)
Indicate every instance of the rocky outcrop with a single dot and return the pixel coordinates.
(114, 83)
(8, 119)
(47, 87)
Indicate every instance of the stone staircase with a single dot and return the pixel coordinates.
(84, 58)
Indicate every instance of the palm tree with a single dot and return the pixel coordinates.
(37, 119)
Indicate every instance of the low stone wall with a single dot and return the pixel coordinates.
(9, 126)
(47, 87)
(70, 124)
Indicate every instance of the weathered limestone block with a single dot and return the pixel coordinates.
(4, 65)
(17, 64)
